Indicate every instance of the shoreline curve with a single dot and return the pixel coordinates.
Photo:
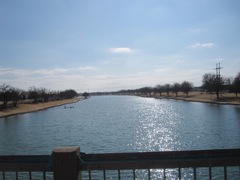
(29, 108)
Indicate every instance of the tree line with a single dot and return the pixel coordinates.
(175, 88)
(211, 83)
(34, 94)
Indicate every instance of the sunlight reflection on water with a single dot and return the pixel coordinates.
(124, 124)
(157, 124)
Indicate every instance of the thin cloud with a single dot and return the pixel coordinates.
(87, 68)
(195, 30)
(59, 71)
(18, 73)
(50, 72)
(106, 62)
(201, 45)
(178, 61)
(217, 59)
(12, 72)
(121, 50)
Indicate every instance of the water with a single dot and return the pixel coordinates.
(123, 124)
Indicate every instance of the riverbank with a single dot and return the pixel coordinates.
(27, 108)
(225, 98)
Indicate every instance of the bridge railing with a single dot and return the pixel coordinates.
(70, 163)
(25, 166)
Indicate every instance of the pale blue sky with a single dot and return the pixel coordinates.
(103, 45)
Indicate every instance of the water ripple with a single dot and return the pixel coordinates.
(123, 124)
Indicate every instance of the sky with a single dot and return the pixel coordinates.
(110, 45)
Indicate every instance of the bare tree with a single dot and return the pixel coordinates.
(5, 94)
(33, 93)
(186, 87)
(85, 95)
(208, 82)
(160, 89)
(145, 90)
(44, 94)
(176, 87)
(154, 90)
(68, 94)
(213, 83)
(167, 88)
(8, 93)
(16, 95)
(236, 85)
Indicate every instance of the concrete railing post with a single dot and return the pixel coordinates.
(66, 163)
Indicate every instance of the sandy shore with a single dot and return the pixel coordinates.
(225, 98)
(27, 108)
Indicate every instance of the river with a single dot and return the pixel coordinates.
(123, 124)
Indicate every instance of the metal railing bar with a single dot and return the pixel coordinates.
(89, 175)
(16, 174)
(182, 159)
(179, 173)
(195, 173)
(104, 175)
(134, 173)
(30, 175)
(44, 175)
(119, 174)
(210, 172)
(225, 172)
(164, 173)
(25, 163)
(200, 154)
(149, 174)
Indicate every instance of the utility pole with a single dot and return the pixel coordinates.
(218, 79)
(218, 73)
